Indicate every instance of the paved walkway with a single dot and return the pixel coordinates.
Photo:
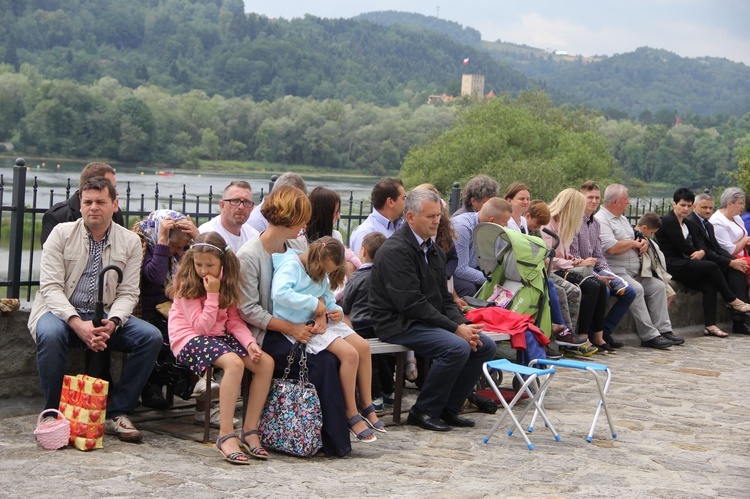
(682, 418)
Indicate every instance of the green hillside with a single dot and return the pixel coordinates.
(624, 84)
(213, 46)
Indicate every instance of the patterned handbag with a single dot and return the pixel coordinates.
(291, 421)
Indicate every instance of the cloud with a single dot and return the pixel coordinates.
(686, 38)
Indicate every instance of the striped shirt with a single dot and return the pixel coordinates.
(587, 243)
(85, 294)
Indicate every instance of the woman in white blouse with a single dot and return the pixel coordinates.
(728, 225)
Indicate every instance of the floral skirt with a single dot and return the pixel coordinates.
(202, 351)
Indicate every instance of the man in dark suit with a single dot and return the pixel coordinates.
(732, 268)
(410, 305)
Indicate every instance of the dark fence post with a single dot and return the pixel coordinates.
(455, 200)
(18, 205)
(274, 178)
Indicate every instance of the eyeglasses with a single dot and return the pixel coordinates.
(246, 203)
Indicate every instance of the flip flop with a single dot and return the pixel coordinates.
(235, 457)
(255, 451)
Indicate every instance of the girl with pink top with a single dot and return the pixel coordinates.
(205, 328)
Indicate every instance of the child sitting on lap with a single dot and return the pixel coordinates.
(301, 291)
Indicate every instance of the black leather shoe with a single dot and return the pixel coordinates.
(456, 420)
(153, 398)
(674, 339)
(657, 342)
(426, 422)
(613, 342)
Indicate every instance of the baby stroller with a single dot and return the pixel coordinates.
(514, 262)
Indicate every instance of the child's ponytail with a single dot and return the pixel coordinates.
(320, 250)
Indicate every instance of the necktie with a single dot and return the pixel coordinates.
(705, 228)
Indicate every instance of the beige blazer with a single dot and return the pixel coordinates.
(64, 258)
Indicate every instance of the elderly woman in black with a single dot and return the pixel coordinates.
(683, 250)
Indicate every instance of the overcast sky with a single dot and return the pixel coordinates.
(690, 28)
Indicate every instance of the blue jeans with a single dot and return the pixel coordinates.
(554, 305)
(618, 310)
(455, 368)
(139, 339)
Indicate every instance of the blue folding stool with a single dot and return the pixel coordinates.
(592, 368)
(531, 374)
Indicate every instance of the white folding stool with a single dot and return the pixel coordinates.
(592, 368)
(519, 372)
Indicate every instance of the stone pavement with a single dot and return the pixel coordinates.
(682, 418)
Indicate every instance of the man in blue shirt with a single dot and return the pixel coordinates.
(388, 198)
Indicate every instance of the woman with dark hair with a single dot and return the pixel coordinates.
(326, 206)
(287, 211)
(680, 241)
(517, 194)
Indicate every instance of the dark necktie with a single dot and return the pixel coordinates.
(705, 228)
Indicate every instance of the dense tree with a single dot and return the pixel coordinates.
(527, 140)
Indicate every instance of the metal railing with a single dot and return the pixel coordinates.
(24, 229)
(24, 236)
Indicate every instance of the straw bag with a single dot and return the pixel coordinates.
(52, 434)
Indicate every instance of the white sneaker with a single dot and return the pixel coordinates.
(214, 422)
(199, 391)
(123, 428)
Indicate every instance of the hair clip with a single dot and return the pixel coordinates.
(324, 244)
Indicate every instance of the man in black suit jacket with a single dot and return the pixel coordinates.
(410, 305)
(732, 268)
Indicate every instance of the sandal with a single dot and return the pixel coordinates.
(256, 451)
(364, 435)
(378, 425)
(605, 348)
(411, 371)
(235, 457)
(715, 331)
(740, 306)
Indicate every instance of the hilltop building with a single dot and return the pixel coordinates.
(472, 85)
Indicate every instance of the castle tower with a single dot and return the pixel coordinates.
(472, 85)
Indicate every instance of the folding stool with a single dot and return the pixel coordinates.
(534, 396)
(592, 368)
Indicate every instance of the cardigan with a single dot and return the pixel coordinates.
(190, 318)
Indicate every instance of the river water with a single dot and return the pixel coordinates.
(52, 180)
(194, 181)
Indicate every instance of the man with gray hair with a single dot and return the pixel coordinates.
(477, 191)
(623, 253)
(410, 305)
(236, 206)
(257, 221)
(733, 268)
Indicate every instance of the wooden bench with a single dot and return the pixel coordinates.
(379, 347)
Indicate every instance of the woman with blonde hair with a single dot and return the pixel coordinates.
(566, 211)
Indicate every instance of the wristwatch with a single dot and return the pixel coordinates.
(118, 324)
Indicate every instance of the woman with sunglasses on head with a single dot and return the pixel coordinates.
(165, 235)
